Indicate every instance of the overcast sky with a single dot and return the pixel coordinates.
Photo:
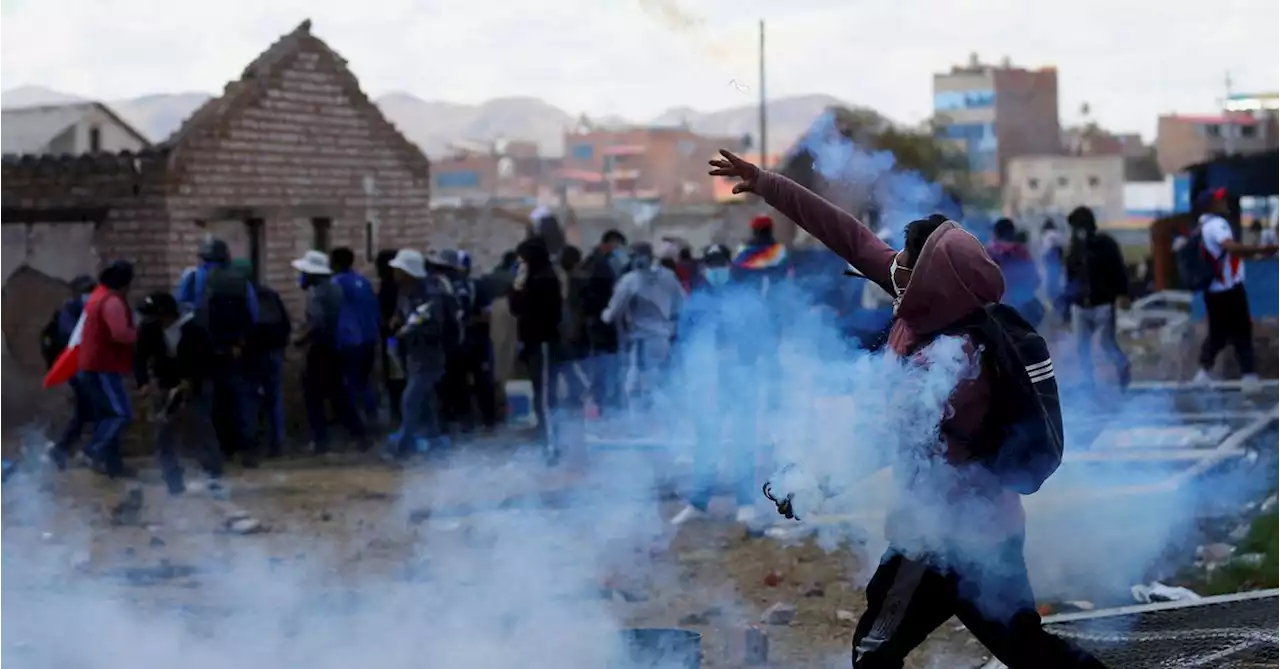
(1129, 59)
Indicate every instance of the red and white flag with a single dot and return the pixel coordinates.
(68, 363)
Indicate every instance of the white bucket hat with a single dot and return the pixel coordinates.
(313, 262)
(410, 262)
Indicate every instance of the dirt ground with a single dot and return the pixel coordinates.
(360, 522)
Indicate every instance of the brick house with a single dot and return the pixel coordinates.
(292, 156)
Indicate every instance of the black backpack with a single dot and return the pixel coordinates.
(1197, 268)
(223, 308)
(273, 327)
(1021, 439)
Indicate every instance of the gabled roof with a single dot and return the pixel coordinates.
(250, 85)
(29, 130)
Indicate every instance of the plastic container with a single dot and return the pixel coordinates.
(660, 648)
(520, 403)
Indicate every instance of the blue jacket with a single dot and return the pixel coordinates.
(360, 321)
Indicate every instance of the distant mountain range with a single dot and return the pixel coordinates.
(434, 124)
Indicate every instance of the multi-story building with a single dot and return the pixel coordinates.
(643, 165)
(499, 172)
(997, 112)
(68, 129)
(1246, 124)
(1039, 187)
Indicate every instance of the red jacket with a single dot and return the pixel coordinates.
(106, 342)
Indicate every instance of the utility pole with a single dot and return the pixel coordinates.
(1228, 128)
(764, 119)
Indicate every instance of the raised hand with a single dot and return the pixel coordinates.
(734, 167)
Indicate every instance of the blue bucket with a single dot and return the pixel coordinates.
(660, 648)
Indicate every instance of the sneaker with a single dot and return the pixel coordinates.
(1202, 378)
(746, 514)
(688, 513)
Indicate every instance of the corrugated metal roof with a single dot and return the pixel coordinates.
(29, 130)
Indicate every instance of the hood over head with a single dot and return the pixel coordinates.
(952, 277)
(534, 253)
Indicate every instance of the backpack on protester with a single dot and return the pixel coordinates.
(1197, 268)
(1021, 439)
(273, 328)
(223, 305)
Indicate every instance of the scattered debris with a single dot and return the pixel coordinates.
(240, 522)
(701, 618)
(1215, 554)
(1159, 592)
(748, 646)
(772, 579)
(846, 617)
(127, 511)
(150, 575)
(1250, 559)
(779, 614)
(815, 590)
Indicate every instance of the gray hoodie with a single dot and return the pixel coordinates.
(646, 303)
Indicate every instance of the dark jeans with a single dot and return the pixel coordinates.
(908, 598)
(357, 371)
(540, 361)
(1229, 324)
(419, 411)
(604, 371)
(114, 412)
(269, 378)
(195, 413)
(469, 379)
(321, 386)
(81, 416)
(234, 403)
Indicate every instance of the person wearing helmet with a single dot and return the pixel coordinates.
(715, 359)
(645, 304)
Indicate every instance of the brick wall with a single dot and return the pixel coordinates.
(484, 232)
(43, 252)
(301, 144)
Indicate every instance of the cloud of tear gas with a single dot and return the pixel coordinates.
(528, 582)
(855, 176)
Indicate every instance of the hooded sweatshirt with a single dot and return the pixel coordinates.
(535, 299)
(646, 302)
(953, 497)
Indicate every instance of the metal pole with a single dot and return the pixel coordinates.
(764, 124)
(1228, 128)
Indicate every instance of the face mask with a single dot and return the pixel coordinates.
(1080, 234)
(716, 276)
(642, 262)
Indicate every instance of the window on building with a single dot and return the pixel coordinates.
(459, 179)
(95, 139)
(256, 229)
(583, 151)
(1063, 181)
(1094, 182)
(320, 233)
(1212, 130)
(1248, 131)
(1033, 184)
(975, 99)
